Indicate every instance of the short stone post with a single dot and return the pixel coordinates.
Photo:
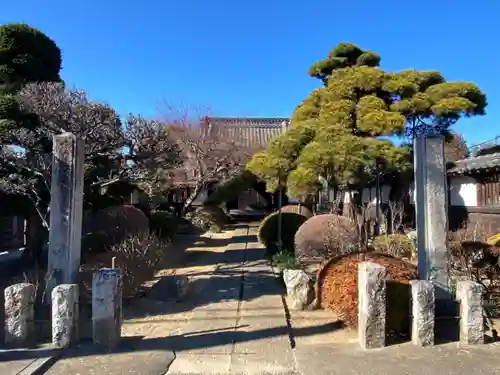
(66, 203)
(297, 288)
(65, 315)
(423, 312)
(371, 305)
(107, 306)
(20, 314)
(470, 295)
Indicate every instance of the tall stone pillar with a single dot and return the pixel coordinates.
(66, 203)
(431, 206)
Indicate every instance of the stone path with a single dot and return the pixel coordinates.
(244, 329)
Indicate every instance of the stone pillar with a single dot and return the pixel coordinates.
(431, 206)
(65, 311)
(423, 312)
(19, 314)
(470, 295)
(107, 306)
(66, 202)
(371, 305)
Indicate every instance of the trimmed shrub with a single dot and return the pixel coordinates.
(163, 224)
(494, 240)
(296, 209)
(338, 286)
(326, 236)
(113, 224)
(397, 245)
(206, 218)
(268, 230)
(136, 255)
(231, 189)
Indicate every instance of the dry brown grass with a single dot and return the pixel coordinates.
(137, 256)
(339, 290)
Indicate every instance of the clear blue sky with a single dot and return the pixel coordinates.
(250, 58)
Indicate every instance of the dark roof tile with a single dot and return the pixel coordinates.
(250, 131)
(477, 163)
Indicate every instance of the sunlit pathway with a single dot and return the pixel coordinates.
(240, 328)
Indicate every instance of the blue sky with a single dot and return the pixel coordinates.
(250, 58)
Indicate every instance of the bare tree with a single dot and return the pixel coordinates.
(49, 109)
(211, 154)
(152, 154)
(455, 147)
(137, 152)
(395, 216)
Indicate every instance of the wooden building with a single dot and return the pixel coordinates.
(474, 192)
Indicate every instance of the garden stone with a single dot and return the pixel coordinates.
(173, 287)
(412, 235)
(371, 305)
(20, 314)
(470, 295)
(423, 312)
(65, 310)
(298, 288)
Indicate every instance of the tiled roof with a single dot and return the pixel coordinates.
(251, 131)
(478, 163)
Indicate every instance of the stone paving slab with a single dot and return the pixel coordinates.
(142, 358)
(14, 367)
(23, 361)
(345, 359)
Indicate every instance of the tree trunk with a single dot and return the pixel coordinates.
(35, 240)
(280, 219)
(191, 198)
(359, 226)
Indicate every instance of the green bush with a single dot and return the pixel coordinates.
(494, 240)
(163, 224)
(231, 189)
(397, 245)
(285, 260)
(206, 218)
(113, 225)
(268, 230)
(301, 210)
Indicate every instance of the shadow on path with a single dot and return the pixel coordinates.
(196, 340)
(224, 284)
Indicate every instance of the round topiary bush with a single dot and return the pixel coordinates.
(208, 218)
(397, 245)
(326, 236)
(296, 209)
(112, 225)
(338, 288)
(163, 224)
(268, 230)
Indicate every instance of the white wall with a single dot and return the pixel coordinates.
(369, 195)
(461, 189)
